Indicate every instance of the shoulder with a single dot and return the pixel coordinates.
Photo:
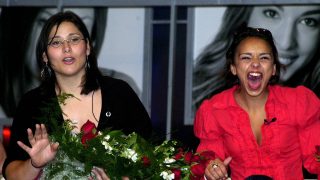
(221, 100)
(298, 101)
(113, 83)
(36, 97)
(32, 95)
(116, 88)
(292, 93)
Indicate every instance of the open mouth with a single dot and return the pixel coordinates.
(254, 80)
(286, 61)
(68, 60)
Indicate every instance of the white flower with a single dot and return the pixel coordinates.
(169, 160)
(107, 146)
(130, 154)
(172, 149)
(107, 137)
(165, 175)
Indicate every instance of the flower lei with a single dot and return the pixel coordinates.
(118, 154)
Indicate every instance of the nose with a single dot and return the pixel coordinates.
(285, 36)
(255, 63)
(66, 46)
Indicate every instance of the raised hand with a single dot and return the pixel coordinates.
(42, 150)
(217, 169)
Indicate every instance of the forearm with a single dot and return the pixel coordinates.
(21, 170)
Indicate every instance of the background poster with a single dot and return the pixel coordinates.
(296, 31)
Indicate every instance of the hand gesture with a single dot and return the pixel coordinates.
(42, 150)
(101, 175)
(217, 169)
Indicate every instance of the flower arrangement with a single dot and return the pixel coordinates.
(119, 154)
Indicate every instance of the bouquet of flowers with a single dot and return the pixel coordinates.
(119, 155)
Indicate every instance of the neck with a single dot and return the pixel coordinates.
(69, 85)
(251, 103)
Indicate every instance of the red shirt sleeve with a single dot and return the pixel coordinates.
(308, 118)
(206, 128)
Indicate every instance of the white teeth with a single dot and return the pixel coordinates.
(67, 59)
(255, 74)
(285, 61)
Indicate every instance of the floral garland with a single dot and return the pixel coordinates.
(118, 154)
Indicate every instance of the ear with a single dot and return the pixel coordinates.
(274, 70)
(233, 69)
(44, 57)
(88, 48)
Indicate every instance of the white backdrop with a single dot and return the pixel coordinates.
(122, 48)
(206, 25)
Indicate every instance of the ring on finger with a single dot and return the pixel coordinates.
(214, 165)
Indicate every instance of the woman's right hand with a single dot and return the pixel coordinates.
(42, 150)
(217, 169)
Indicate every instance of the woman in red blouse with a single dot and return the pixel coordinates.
(257, 127)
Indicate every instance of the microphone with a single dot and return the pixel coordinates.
(269, 121)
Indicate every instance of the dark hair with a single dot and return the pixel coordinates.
(208, 74)
(89, 82)
(242, 33)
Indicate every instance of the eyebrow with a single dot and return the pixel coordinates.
(261, 54)
(71, 34)
(312, 12)
(278, 6)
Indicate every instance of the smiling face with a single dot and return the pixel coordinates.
(296, 30)
(69, 58)
(253, 65)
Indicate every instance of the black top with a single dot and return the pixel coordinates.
(121, 110)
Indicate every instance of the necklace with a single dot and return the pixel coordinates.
(92, 107)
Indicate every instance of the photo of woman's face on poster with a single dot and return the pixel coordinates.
(296, 32)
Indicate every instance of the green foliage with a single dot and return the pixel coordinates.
(117, 153)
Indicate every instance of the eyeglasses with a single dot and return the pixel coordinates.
(73, 40)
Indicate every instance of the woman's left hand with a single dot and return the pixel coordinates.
(101, 175)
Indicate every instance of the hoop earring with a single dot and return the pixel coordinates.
(45, 73)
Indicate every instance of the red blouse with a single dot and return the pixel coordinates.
(288, 138)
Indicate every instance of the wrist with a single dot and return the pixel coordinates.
(35, 166)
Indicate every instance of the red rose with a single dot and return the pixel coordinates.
(89, 131)
(195, 158)
(177, 174)
(178, 156)
(187, 157)
(146, 161)
(198, 170)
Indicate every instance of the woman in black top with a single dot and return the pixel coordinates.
(68, 65)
